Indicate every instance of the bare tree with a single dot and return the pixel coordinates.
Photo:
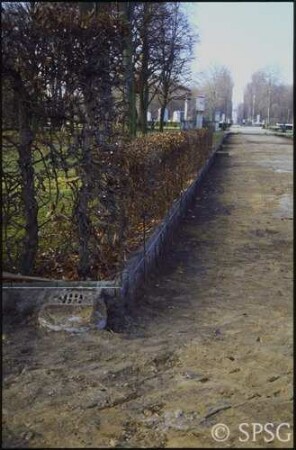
(176, 44)
(146, 62)
(265, 95)
(20, 72)
(61, 78)
(71, 73)
(217, 85)
(128, 13)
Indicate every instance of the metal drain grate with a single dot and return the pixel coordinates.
(72, 298)
(73, 311)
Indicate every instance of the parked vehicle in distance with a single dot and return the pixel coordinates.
(283, 127)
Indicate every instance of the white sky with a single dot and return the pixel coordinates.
(245, 37)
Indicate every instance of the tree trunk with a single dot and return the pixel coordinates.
(83, 223)
(144, 88)
(165, 91)
(82, 210)
(82, 213)
(28, 189)
(143, 111)
(129, 71)
(161, 119)
(165, 96)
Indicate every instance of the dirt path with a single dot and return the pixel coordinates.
(210, 341)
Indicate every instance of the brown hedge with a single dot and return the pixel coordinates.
(155, 170)
(133, 187)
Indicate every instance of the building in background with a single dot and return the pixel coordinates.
(200, 108)
(166, 114)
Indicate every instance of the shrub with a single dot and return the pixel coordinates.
(133, 189)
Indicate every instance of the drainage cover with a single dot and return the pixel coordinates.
(74, 311)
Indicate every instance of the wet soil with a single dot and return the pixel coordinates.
(209, 341)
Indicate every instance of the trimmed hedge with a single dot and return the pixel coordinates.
(131, 189)
(159, 167)
(153, 172)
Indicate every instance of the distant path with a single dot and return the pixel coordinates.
(209, 342)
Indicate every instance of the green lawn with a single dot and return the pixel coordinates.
(51, 190)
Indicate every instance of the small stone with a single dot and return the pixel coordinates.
(254, 396)
(178, 413)
(113, 442)
(192, 375)
(27, 435)
(204, 379)
(91, 404)
(274, 378)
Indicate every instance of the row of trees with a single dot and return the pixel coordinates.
(267, 96)
(217, 86)
(77, 82)
(146, 55)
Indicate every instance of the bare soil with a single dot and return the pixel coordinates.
(209, 341)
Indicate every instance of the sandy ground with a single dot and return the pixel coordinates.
(209, 342)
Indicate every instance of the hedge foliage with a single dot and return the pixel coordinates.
(133, 188)
(158, 168)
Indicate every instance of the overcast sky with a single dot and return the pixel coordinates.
(245, 37)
